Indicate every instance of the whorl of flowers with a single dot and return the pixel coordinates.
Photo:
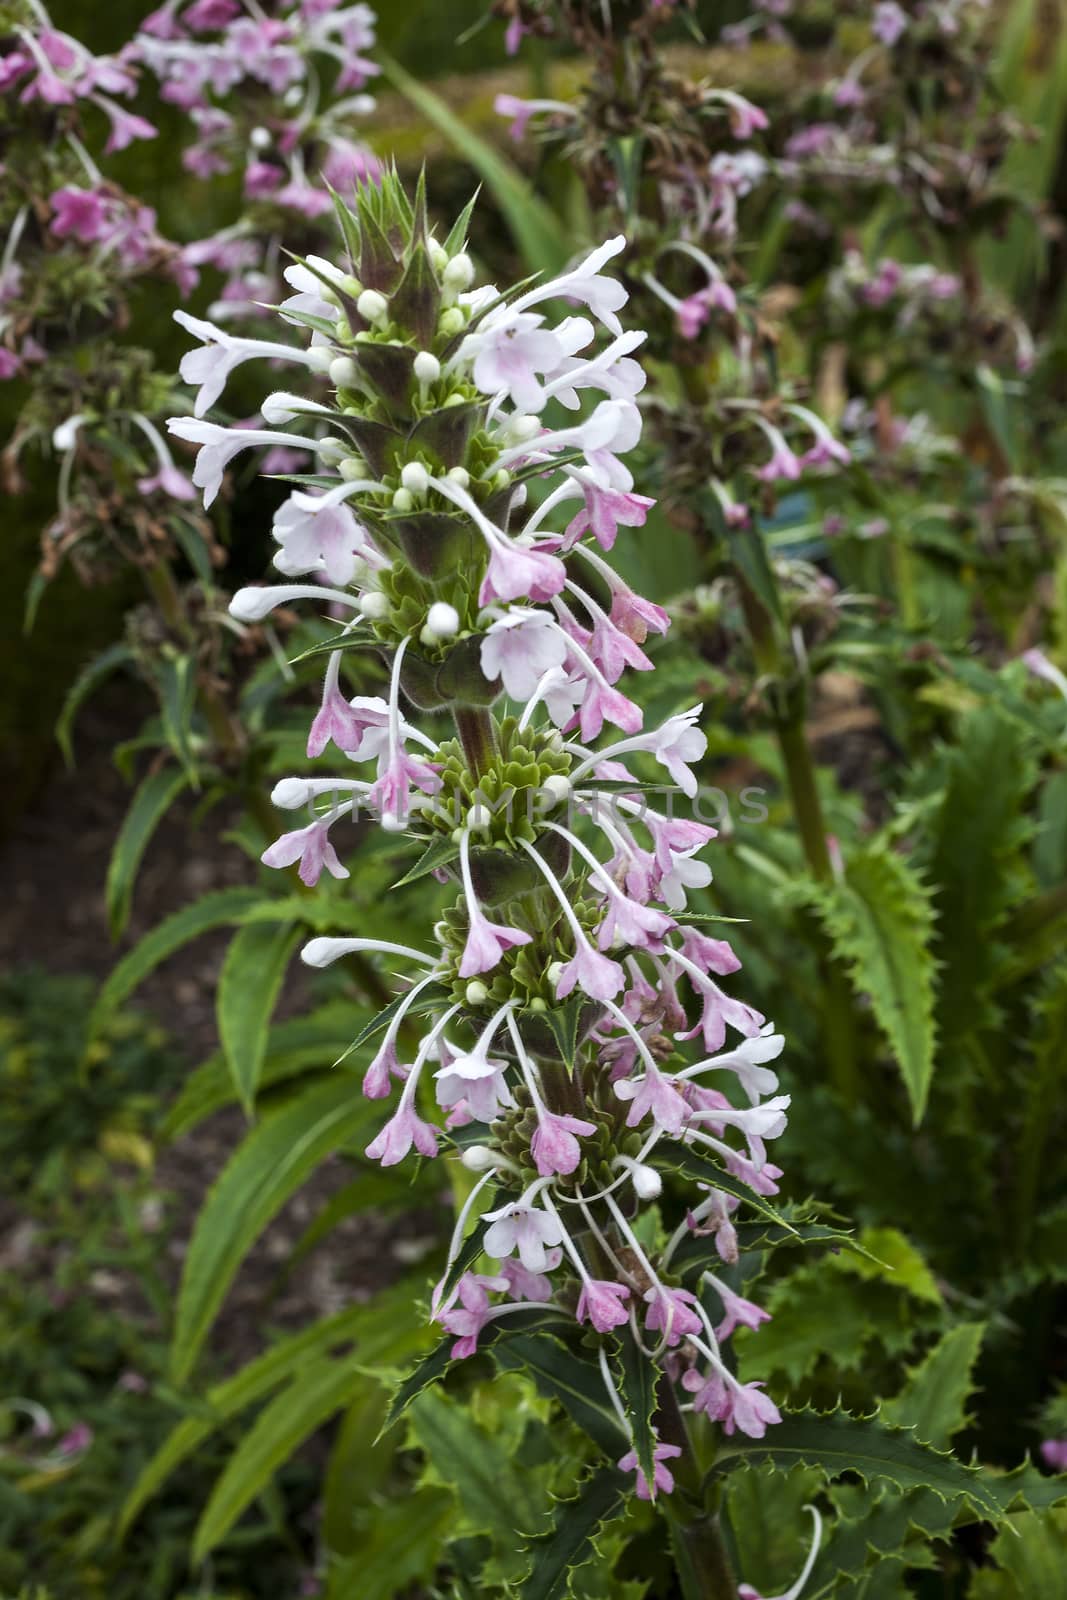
(471, 489)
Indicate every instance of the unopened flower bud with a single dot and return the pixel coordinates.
(403, 500)
(260, 139)
(479, 818)
(372, 306)
(442, 619)
(289, 793)
(501, 479)
(538, 1005)
(555, 973)
(459, 476)
(451, 321)
(351, 286)
(343, 372)
(524, 426)
(476, 993)
(415, 477)
(321, 357)
(427, 367)
(478, 1158)
(648, 1185)
(556, 789)
(374, 605)
(459, 273)
(438, 254)
(352, 468)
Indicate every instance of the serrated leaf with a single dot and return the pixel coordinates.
(837, 1442)
(671, 1157)
(889, 1255)
(561, 1373)
(638, 1378)
(570, 1545)
(884, 1524)
(933, 1401)
(434, 1366)
(150, 804)
(428, 1000)
(274, 1160)
(249, 984)
(215, 910)
(879, 920)
(563, 1024)
(96, 672)
(495, 1497)
(1032, 1551)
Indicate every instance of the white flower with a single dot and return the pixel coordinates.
(519, 648)
(523, 1229)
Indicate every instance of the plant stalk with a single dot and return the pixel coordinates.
(477, 735)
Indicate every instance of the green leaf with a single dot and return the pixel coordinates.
(434, 1365)
(90, 677)
(323, 1388)
(494, 1494)
(438, 854)
(570, 1544)
(540, 236)
(300, 1045)
(638, 1378)
(1031, 1551)
(356, 1476)
(561, 1373)
(274, 1160)
(373, 1326)
(150, 804)
(249, 984)
(400, 1546)
(176, 678)
(880, 922)
(563, 1023)
(933, 1401)
(836, 1442)
(214, 910)
(671, 1157)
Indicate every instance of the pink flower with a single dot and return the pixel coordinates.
(511, 354)
(718, 1010)
(317, 534)
(600, 1303)
(601, 704)
(745, 118)
(399, 1134)
(669, 1314)
(80, 214)
(653, 1093)
(125, 127)
(168, 480)
(634, 616)
(515, 573)
(12, 67)
(890, 22)
(474, 1079)
(486, 943)
(262, 179)
(311, 847)
(206, 15)
(663, 1479)
(554, 1146)
(627, 922)
(358, 726)
(749, 1410)
(377, 1080)
(737, 1311)
(391, 791)
(713, 955)
(477, 1311)
(519, 648)
(76, 1441)
(10, 365)
(520, 112)
(593, 974)
(524, 1285)
(605, 511)
(1054, 1453)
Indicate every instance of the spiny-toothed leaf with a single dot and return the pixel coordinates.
(1032, 1551)
(439, 854)
(562, 1372)
(637, 1381)
(989, 775)
(771, 1530)
(150, 804)
(428, 1000)
(837, 1442)
(495, 1495)
(1026, 1487)
(434, 1366)
(1041, 1088)
(884, 1525)
(879, 920)
(698, 1252)
(349, 640)
(934, 1399)
(571, 1543)
(669, 1156)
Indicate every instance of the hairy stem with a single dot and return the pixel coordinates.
(477, 735)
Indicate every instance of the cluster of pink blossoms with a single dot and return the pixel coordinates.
(471, 486)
